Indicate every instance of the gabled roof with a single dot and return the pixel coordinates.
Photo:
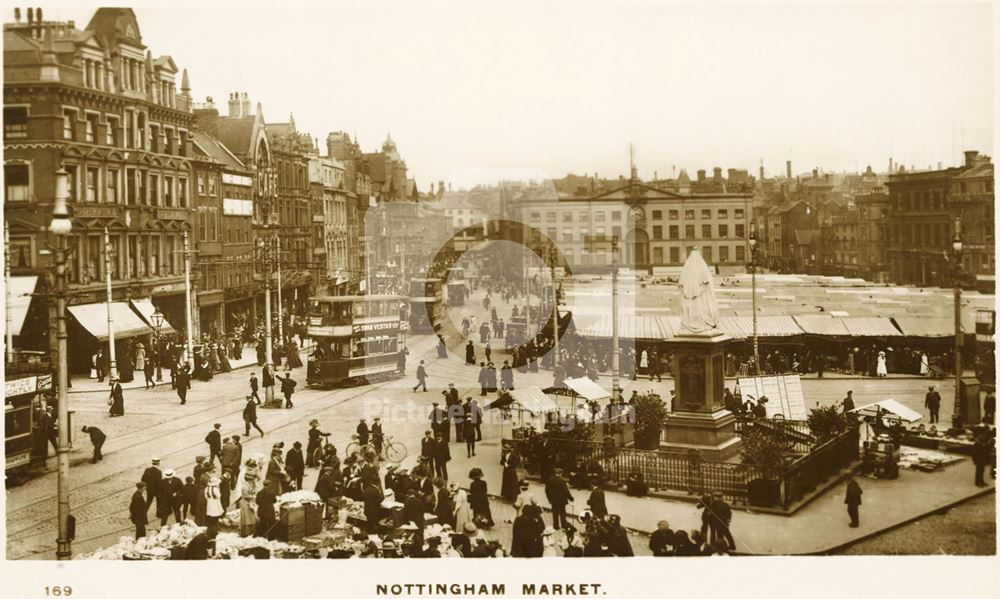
(636, 190)
(215, 150)
(977, 171)
(806, 236)
(166, 63)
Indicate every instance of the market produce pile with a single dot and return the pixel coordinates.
(155, 545)
(926, 460)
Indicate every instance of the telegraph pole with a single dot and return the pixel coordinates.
(9, 338)
(187, 301)
(112, 364)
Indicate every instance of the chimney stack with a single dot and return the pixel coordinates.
(815, 173)
(970, 157)
(761, 172)
(701, 175)
(939, 165)
(717, 174)
(788, 169)
(245, 105)
(17, 15)
(234, 105)
(38, 14)
(31, 15)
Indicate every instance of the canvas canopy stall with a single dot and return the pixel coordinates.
(638, 327)
(525, 400)
(888, 408)
(926, 326)
(580, 388)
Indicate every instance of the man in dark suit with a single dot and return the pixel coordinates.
(266, 519)
(295, 465)
(723, 516)
(853, 500)
(363, 433)
(413, 508)
(182, 382)
(427, 449)
(137, 510)
(214, 440)
(932, 401)
(151, 477)
(421, 377)
(442, 455)
(439, 421)
(287, 388)
(170, 497)
(373, 505)
(97, 438)
(557, 492)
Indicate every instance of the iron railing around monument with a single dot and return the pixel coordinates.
(796, 434)
(805, 474)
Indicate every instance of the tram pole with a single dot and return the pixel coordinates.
(112, 363)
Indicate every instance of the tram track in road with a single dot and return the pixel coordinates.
(79, 507)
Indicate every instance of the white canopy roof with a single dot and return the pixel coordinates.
(533, 400)
(893, 407)
(20, 290)
(587, 388)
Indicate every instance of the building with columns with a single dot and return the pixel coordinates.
(96, 103)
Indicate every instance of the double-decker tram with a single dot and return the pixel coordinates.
(27, 425)
(355, 338)
(425, 304)
(456, 286)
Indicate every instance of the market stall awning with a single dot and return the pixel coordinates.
(870, 326)
(891, 406)
(929, 326)
(641, 327)
(20, 290)
(94, 318)
(145, 308)
(767, 326)
(819, 324)
(533, 400)
(587, 388)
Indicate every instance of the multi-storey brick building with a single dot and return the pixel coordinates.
(922, 208)
(358, 184)
(96, 103)
(330, 226)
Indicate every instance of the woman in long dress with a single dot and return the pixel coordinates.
(224, 365)
(925, 365)
(213, 503)
(509, 485)
(480, 500)
(140, 356)
(248, 493)
(463, 511)
(880, 368)
(294, 361)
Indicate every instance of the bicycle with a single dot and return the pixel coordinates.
(392, 451)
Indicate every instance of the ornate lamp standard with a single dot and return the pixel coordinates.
(61, 227)
(958, 416)
(157, 319)
(753, 294)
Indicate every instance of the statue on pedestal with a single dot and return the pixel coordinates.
(699, 311)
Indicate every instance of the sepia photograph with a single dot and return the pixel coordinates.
(400, 280)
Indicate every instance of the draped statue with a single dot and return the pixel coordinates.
(699, 311)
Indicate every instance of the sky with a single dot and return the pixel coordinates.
(473, 92)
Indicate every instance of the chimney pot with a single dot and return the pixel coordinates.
(17, 15)
(788, 169)
(31, 15)
(701, 175)
(38, 14)
(970, 157)
(717, 173)
(815, 173)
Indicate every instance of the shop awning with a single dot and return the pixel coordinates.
(870, 326)
(587, 388)
(532, 399)
(641, 327)
(145, 308)
(94, 318)
(930, 326)
(20, 290)
(817, 324)
(891, 406)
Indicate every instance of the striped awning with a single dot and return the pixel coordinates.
(936, 326)
(20, 290)
(532, 399)
(94, 318)
(870, 326)
(767, 326)
(629, 327)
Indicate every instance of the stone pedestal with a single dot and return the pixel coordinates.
(699, 421)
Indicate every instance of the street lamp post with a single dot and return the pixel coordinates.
(61, 226)
(753, 294)
(9, 336)
(157, 319)
(555, 310)
(958, 415)
(112, 362)
(615, 350)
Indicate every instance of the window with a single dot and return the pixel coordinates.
(657, 232)
(551, 233)
(69, 121)
(616, 215)
(724, 253)
(154, 138)
(201, 184)
(674, 255)
(673, 214)
(169, 255)
(95, 258)
(599, 217)
(155, 264)
(111, 134)
(584, 217)
(567, 217)
(140, 131)
(706, 213)
(657, 255)
(17, 182)
(657, 214)
(724, 231)
(153, 199)
(211, 184)
(92, 124)
(599, 231)
(688, 231)
(133, 257)
(707, 252)
(21, 255)
(168, 140)
(168, 191)
(689, 214)
(706, 231)
(182, 143)
(740, 253)
(550, 217)
(674, 232)
(536, 217)
(130, 186)
(738, 214)
(740, 231)
(111, 182)
(93, 184)
(723, 213)
(71, 169)
(15, 122)
(129, 129)
(567, 234)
